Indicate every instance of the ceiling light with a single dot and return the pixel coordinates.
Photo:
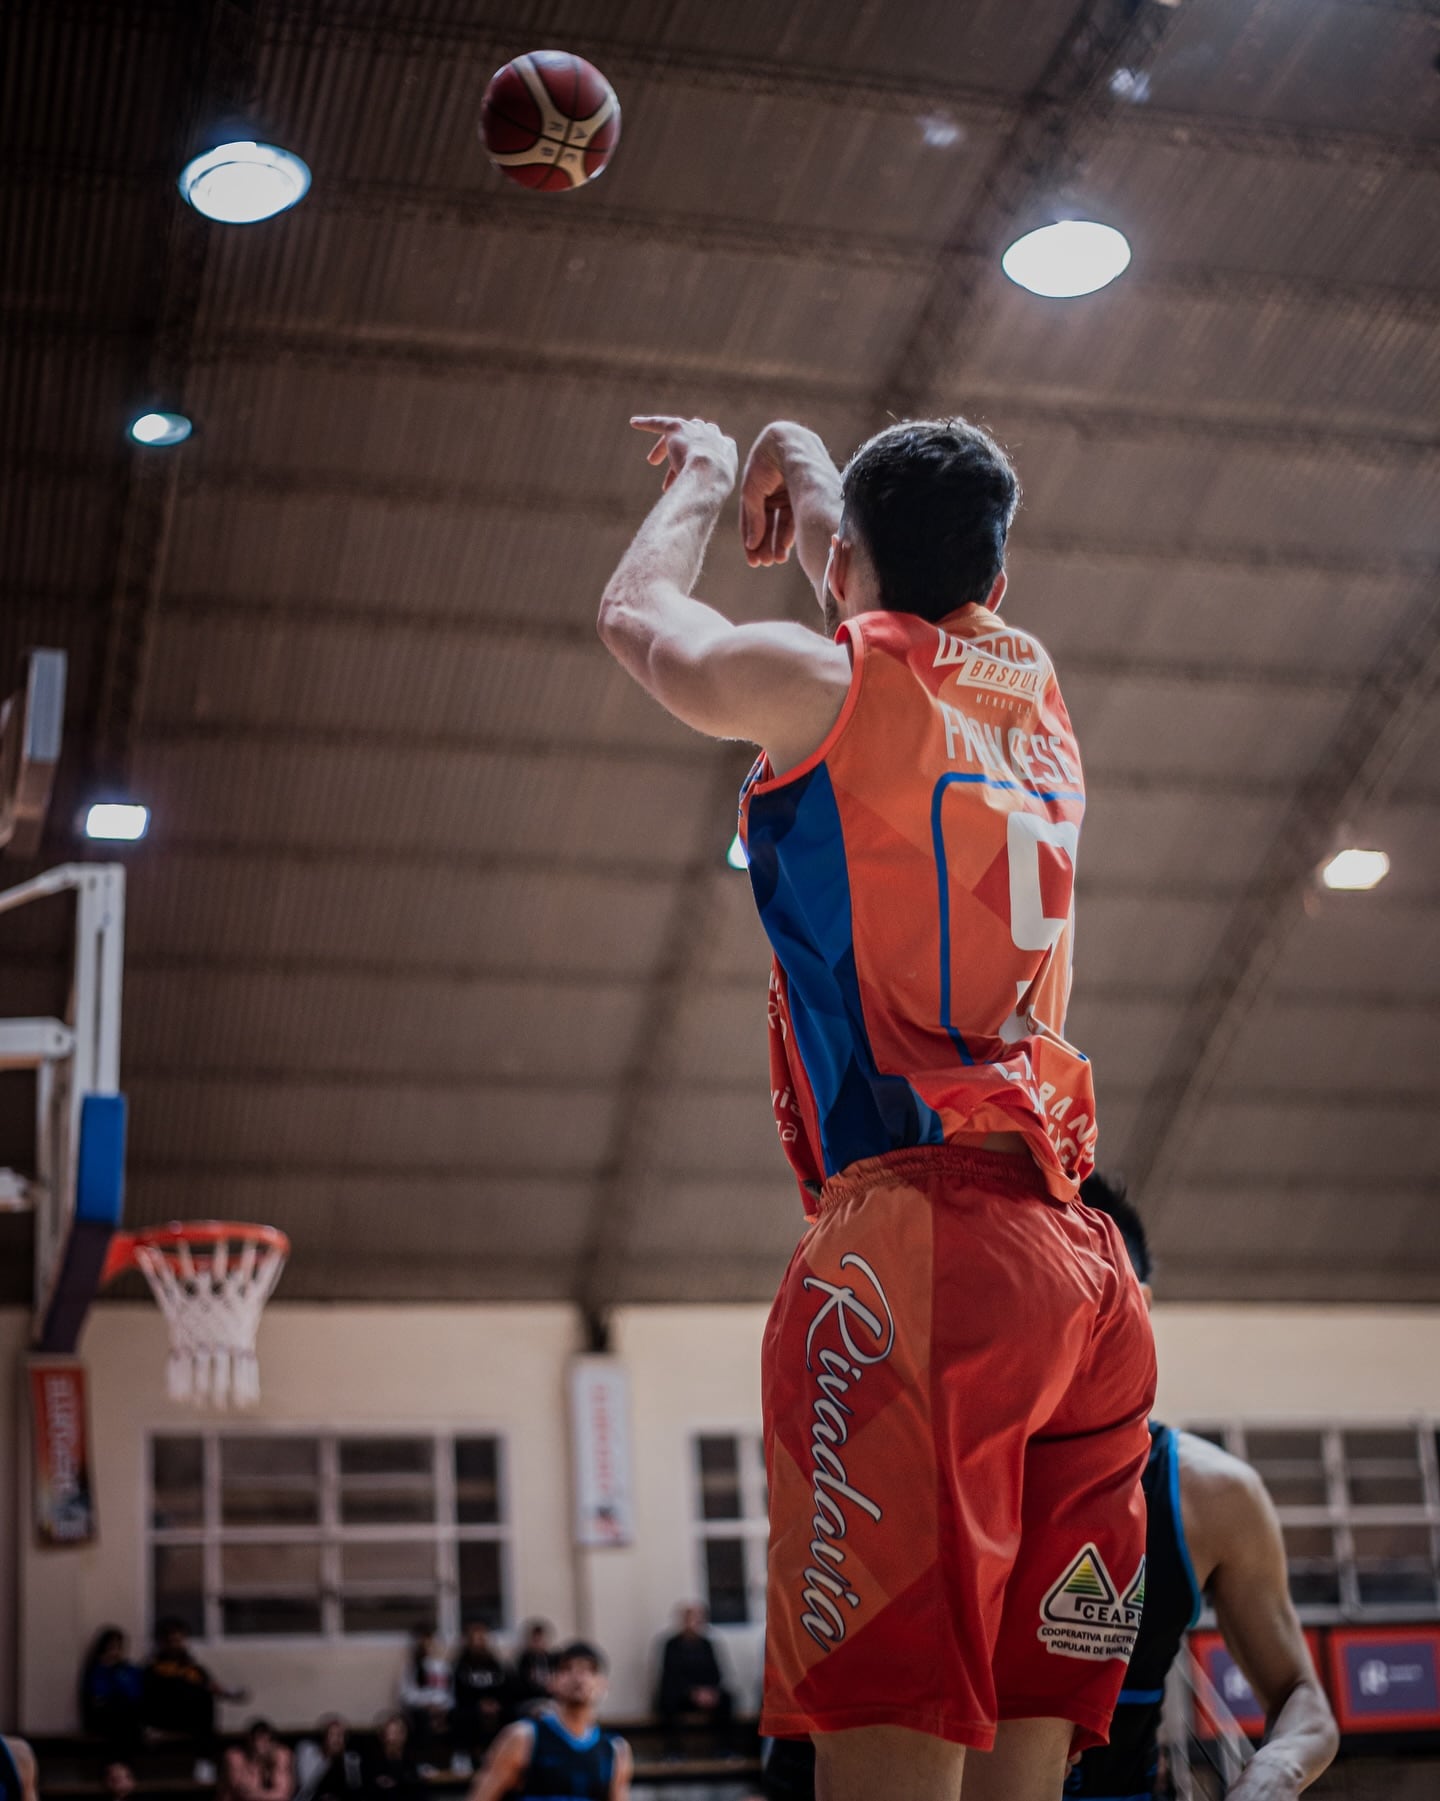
(242, 182)
(735, 856)
(1077, 256)
(117, 820)
(160, 428)
(1355, 868)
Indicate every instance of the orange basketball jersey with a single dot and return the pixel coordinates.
(915, 877)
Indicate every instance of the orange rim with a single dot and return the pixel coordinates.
(121, 1255)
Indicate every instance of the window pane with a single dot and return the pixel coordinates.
(269, 1481)
(1213, 1435)
(270, 1589)
(1390, 1445)
(725, 1581)
(1292, 1464)
(1393, 1564)
(387, 1481)
(177, 1482)
(719, 1478)
(387, 1613)
(477, 1481)
(409, 1563)
(178, 1581)
(482, 1593)
(1403, 1488)
(1314, 1577)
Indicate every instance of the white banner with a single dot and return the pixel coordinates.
(600, 1441)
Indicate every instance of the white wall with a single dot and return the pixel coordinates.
(691, 1368)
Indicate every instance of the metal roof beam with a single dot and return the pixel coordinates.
(1353, 773)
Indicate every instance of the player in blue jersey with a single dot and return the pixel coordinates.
(1211, 1532)
(561, 1753)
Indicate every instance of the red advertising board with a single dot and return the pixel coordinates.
(64, 1496)
(1385, 1678)
(1228, 1681)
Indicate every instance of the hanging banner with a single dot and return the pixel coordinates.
(59, 1417)
(600, 1446)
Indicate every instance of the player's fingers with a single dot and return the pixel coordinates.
(654, 422)
(657, 452)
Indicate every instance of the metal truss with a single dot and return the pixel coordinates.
(1354, 773)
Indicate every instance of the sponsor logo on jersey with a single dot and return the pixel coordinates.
(1086, 1615)
(1004, 662)
(857, 1315)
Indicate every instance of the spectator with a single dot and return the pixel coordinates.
(118, 1782)
(259, 1768)
(533, 1668)
(427, 1698)
(111, 1689)
(691, 1685)
(179, 1693)
(478, 1683)
(392, 1775)
(326, 1769)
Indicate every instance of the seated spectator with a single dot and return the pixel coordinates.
(110, 1692)
(179, 1694)
(326, 1769)
(259, 1768)
(118, 1781)
(427, 1699)
(478, 1683)
(691, 1685)
(530, 1674)
(391, 1774)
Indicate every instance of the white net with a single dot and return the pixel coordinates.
(212, 1299)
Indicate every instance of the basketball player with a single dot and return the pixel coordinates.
(1212, 1531)
(17, 1771)
(958, 1367)
(563, 1752)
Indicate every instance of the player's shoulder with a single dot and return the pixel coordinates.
(1219, 1490)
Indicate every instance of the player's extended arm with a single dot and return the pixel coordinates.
(25, 1768)
(624, 1769)
(505, 1763)
(790, 496)
(1251, 1597)
(775, 684)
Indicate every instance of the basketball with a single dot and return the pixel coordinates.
(550, 120)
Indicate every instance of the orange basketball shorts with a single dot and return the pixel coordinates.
(957, 1374)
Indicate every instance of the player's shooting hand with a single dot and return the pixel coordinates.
(767, 517)
(689, 443)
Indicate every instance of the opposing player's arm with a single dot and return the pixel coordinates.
(505, 1763)
(25, 1768)
(1249, 1590)
(775, 684)
(624, 1769)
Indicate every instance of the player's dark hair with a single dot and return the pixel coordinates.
(578, 1651)
(1107, 1195)
(931, 501)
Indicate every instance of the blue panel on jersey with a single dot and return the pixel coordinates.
(802, 888)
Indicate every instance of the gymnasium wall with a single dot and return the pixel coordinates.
(503, 1368)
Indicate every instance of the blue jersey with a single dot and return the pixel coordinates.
(569, 1769)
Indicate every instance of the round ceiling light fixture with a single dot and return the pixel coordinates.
(243, 182)
(160, 429)
(1076, 256)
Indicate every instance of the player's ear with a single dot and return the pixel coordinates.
(839, 568)
(1147, 1294)
(997, 592)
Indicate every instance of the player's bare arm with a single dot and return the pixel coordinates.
(1239, 1553)
(25, 1768)
(505, 1763)
(775, 684)
(624, 1770)
(790, 499)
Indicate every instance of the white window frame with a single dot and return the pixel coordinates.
(1338, 1514)
(445, 1532)
(753, 1526)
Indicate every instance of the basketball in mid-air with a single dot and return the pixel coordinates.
(550, 120)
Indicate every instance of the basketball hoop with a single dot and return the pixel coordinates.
(211, 1279)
